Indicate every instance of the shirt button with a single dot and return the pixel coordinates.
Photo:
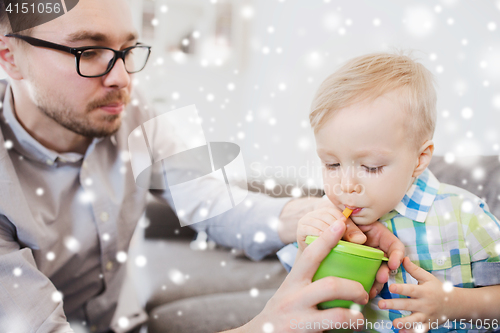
(104, 217)
(49, 162)
(394, 272)
(109, 265)
(440, 261)
(85, 165)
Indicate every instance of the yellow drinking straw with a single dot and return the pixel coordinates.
(347, 212)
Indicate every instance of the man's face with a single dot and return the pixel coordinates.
(367, 160)
(91, 107)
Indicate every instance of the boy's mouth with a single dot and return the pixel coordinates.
(355, 210)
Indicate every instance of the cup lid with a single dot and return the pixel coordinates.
(355, 249)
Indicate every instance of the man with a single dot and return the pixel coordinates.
(68, 200)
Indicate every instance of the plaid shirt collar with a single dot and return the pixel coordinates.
(418, 200)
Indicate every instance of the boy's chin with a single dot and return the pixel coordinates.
(362, 220)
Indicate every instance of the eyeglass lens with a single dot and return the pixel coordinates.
(94, 62)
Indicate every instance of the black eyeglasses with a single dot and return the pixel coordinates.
(96, 61)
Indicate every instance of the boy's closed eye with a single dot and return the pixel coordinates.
(369, 169)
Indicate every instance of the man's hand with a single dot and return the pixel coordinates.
(296, 299)
(429, 301)
(378, 236)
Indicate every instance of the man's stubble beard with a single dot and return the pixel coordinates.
(80, 123)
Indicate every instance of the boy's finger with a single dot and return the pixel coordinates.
(409, 290)
(407, 304)
(418, 273)
(307, 230)
(307, 265)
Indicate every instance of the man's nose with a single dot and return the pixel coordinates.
(118, 77)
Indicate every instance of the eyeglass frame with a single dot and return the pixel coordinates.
(77, 52)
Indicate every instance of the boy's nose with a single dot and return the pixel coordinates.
(348, 184)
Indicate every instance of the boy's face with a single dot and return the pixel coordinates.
(368, 162)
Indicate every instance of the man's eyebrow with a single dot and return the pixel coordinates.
(95, 36)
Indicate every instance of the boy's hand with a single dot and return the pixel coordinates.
(378, 236)
(315, 222)
(429, 301)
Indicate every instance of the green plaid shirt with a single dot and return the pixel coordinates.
(450, 233)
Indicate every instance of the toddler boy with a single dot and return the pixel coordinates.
(373, 121)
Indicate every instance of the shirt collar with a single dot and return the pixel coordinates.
(418, 200)
(28, 146)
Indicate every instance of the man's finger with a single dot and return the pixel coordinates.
(307, 264)
(331, 288)
(380, 279)
(376, 288)
(338, 316)
(382, 274)
(353, 234)
(417, 272)
(396, 257)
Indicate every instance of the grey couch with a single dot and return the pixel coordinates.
(218, 289)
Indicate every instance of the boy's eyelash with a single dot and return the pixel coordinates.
(331, 166)
(379, 169)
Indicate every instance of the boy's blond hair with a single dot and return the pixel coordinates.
(370, 76)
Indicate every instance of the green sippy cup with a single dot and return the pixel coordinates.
(349, 261)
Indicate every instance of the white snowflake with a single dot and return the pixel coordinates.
(447, 287)
(17, 271)
(141, 261)
(72, 244)
(123, 322)
(259, 237)
(57, 296)
(254, 292)
(121, 256)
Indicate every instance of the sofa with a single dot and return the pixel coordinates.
(186, 291)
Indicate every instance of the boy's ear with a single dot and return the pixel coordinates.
(7, 60)
(424, 157)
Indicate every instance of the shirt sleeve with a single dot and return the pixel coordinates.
(27, 302)
(250, 226)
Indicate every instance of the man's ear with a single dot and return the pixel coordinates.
(424, 157)
(7, 60)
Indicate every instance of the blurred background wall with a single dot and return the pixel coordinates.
(252, 67)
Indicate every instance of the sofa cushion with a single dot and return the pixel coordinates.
(477, 174)
(208, 313)
(174, 272)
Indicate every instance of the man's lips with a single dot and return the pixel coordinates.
(113, 108)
